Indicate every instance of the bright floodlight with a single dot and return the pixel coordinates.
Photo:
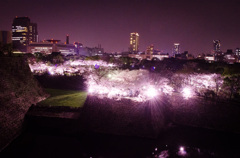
(51, 71)
(182, 151)
(151, 92)
(187, 92)
(90, 90)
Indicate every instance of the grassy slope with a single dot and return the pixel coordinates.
(64, 98)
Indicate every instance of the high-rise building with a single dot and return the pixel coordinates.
(33, 33)
(218, 54)
(216, 46)
(176, 48)
(150, 50)
(67, 39)
(237, 52)
(134, 42)
(23, 33)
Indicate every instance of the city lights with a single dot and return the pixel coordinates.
(135, 78)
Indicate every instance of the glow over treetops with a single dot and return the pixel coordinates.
(106, 80)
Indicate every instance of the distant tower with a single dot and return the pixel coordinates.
(33, 33)
(176, 48)
(150, 50)
(237, 52)
(216, 45)
(134, 42)
(67, 39)
(23, 33)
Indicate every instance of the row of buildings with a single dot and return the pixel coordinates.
(24, 37)
(216, 55)
(134, 45)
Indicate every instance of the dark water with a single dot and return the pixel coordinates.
(196, 142)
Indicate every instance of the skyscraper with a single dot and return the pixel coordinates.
(33, 33)
(23, 33)
(150, 50)
(237, 52)
(67, 39)
(176, 48)
(216, 46)
(134, 42)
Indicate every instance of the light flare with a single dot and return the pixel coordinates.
(182, 151)
(187, 92)
(151, 92)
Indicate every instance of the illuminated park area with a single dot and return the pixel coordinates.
(153, 102)
(107, 80)
(145, 100)
(74, 99)
(120, 79)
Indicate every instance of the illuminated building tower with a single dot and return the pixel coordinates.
(216, 46)
(218, 54)
(33, 33)
(134, 42)
(176, 48)
(23, 33)
(237, 52)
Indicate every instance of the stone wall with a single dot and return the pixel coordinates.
(19, 90)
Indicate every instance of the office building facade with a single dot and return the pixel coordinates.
(176, 49)
(134, 42)
(216, 46)
(237, 52)
(23, 33)
(48, 46)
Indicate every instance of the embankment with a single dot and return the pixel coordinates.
(19, 90)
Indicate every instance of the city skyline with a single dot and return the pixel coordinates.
(192, 24)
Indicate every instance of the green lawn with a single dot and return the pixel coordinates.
(69, 98)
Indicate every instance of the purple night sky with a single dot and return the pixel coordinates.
(192, 23)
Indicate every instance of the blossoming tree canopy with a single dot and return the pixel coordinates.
(106, 80)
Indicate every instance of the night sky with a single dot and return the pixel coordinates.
(192, 23)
